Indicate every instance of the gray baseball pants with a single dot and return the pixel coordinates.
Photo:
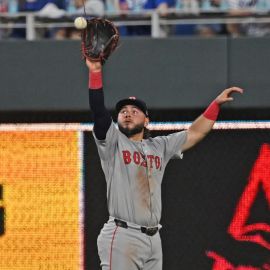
(128, 248)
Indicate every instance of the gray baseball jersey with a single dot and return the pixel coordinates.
(134, 172)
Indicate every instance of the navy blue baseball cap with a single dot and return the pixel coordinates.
(132, 101)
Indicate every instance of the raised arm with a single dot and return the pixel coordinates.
(204, 123)
(102, 118)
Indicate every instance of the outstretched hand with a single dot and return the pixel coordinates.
(225, 96)
(93, 66)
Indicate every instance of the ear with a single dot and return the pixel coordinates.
(146, 122)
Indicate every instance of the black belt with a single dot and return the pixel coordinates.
(148, 231)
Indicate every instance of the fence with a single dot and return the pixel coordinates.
(190, 15)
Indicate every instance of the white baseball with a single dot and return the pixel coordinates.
(80, 23)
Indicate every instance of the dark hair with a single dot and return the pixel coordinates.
(146, 133)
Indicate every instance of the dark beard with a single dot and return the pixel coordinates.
(133, 131)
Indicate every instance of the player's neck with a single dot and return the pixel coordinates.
(137, 137)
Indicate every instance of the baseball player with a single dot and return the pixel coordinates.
(134, 164)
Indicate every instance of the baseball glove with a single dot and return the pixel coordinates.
(99, 39)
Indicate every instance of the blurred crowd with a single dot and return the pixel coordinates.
(59, 8)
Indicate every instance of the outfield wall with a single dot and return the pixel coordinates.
(175, 73)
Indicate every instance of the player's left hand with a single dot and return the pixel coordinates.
(225, 96)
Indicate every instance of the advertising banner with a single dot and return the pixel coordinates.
(40, 200)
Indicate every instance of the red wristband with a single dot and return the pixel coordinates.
(212, 111)
(95, 80)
